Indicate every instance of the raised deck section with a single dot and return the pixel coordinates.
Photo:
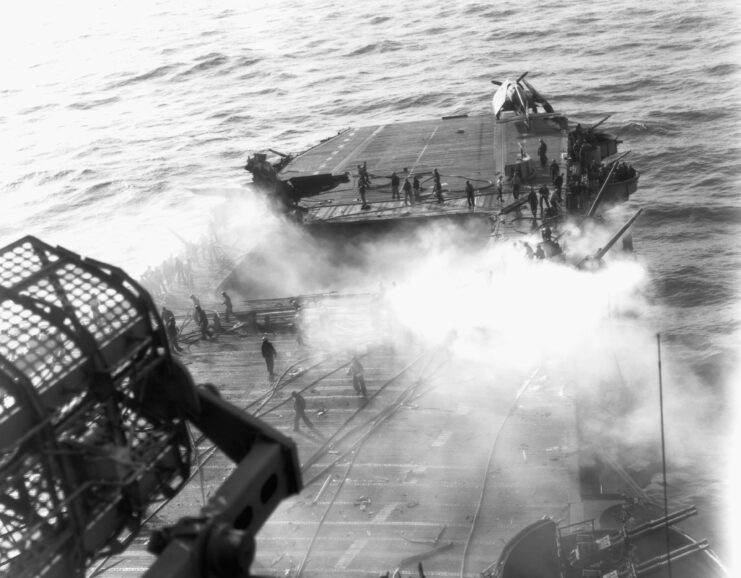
(476, 148)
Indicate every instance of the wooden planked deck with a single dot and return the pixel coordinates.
(458, 443)
(448, 458)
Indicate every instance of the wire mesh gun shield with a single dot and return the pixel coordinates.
(89, 433)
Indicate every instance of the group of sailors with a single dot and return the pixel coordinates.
(623, 172)
(172, 273)
(267, 351)
(179, 271)
(597, 173)
(208, 329)
(581, 144)
(412, 189)
(579, 189)
(581, 185)
(550, 204)
(355, 369)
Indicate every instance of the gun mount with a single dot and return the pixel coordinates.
(94, 422)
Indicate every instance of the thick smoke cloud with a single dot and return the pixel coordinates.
(508, 314)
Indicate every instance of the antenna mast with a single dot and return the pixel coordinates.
(663, 459)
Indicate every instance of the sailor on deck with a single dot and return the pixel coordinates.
(558, 183)
(408, 196)
(361, 191)
(532, 199)
(415, 186)
(516, 180)
(299, 405)
(358, 379)
(362, 176)
(500, 188)
(395, 186)
(554, 170)
(542, 149)
(269, 353)
(203, 323)
(439, 192)
(438, 186)
(544, 202)
(469, 195)
(228, 305)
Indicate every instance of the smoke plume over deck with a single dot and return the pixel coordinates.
(502, 311)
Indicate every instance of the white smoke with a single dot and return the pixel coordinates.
(508, 313)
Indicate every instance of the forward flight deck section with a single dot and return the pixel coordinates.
(454, 145)
(461, 148)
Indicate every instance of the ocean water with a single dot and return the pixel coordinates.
(124, 124)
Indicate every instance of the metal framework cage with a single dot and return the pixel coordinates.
(89, 435)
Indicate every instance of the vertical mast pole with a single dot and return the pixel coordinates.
(663, 459)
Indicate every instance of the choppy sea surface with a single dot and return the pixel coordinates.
(124, 122)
